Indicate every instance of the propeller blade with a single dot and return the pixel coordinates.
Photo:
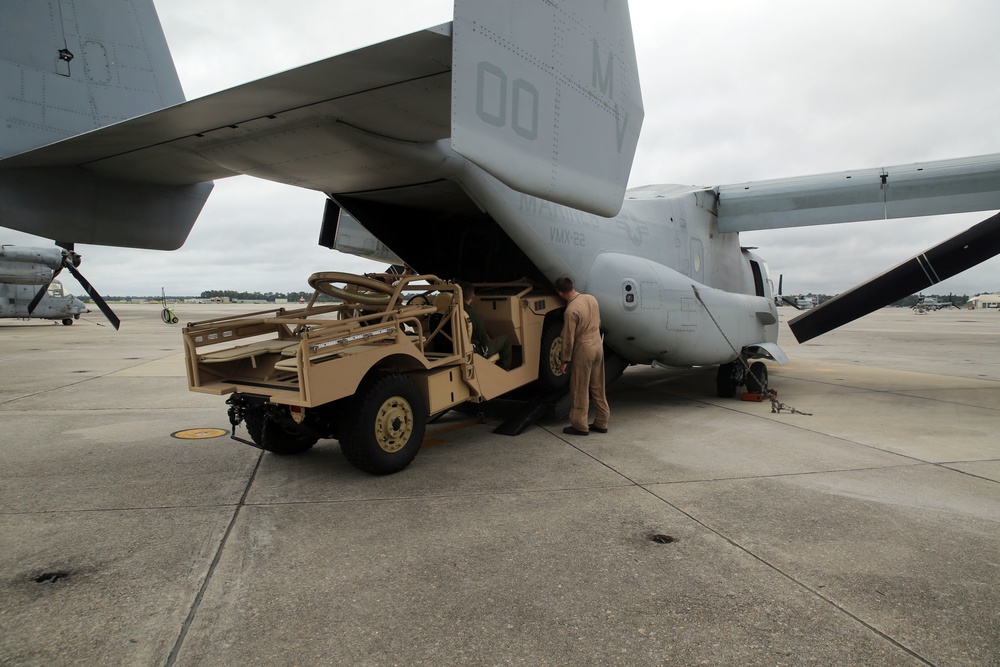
(960, 252)
(41, 293)
(108, 313)
(790, 302)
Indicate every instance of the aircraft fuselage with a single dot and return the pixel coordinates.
(672, 289)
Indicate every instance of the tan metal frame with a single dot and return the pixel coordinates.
(320, 353)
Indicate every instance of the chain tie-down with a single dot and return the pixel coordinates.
(776, 405)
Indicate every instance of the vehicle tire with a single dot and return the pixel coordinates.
(174, 320)
(756, 379)
(67, 322)
(726, 380)
(550, 375)
(283, 437)
(389, 417)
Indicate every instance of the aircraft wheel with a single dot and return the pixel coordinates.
(550, 373)
(390, 415)
(283, 437)
(614, 365)
(726, 380)
(67, 321)
(756, 380)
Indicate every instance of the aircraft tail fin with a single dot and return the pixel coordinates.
(68, 67)
(71, 66)
(529, 79)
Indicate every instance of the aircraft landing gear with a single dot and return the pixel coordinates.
(756, 379)
(730, 376)
(68, 321)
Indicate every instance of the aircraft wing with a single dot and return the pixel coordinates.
(528, 79)
(929, 188)
(283, 127)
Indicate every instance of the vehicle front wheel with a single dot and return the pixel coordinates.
(389, 418)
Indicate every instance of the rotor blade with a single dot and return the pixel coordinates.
(41, 293)
(108, 313)
(960, 252)
(790, 302)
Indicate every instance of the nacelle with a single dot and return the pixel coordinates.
(29, 266)
(653, 313)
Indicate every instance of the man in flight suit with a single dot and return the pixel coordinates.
(583, 348)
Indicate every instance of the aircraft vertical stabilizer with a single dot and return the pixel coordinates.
(68, 67)
(71, 66)
(529, 79)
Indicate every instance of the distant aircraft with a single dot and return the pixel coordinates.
(929, 303)
(28, 287)
(490, 148)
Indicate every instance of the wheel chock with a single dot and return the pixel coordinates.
(757, 398)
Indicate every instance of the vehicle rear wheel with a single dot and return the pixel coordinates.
(550, 373)
(756, 380)
(389, 420)
(67, 322)
(726, 380)
(278, 436)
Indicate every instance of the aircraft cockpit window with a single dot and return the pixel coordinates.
(758, 278)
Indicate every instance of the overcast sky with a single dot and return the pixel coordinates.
(734, 91)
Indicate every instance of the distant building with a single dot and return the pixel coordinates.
(985, 301)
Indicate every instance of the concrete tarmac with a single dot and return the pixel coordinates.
(865, 533)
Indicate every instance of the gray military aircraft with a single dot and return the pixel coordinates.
(493, 147)
(26, 274)
(28, 285)
(929, 303)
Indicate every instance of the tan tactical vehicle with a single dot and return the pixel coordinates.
(368, 361)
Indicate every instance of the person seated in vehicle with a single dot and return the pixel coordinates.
(481, 339)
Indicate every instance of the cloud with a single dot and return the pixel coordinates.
(733, 92)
